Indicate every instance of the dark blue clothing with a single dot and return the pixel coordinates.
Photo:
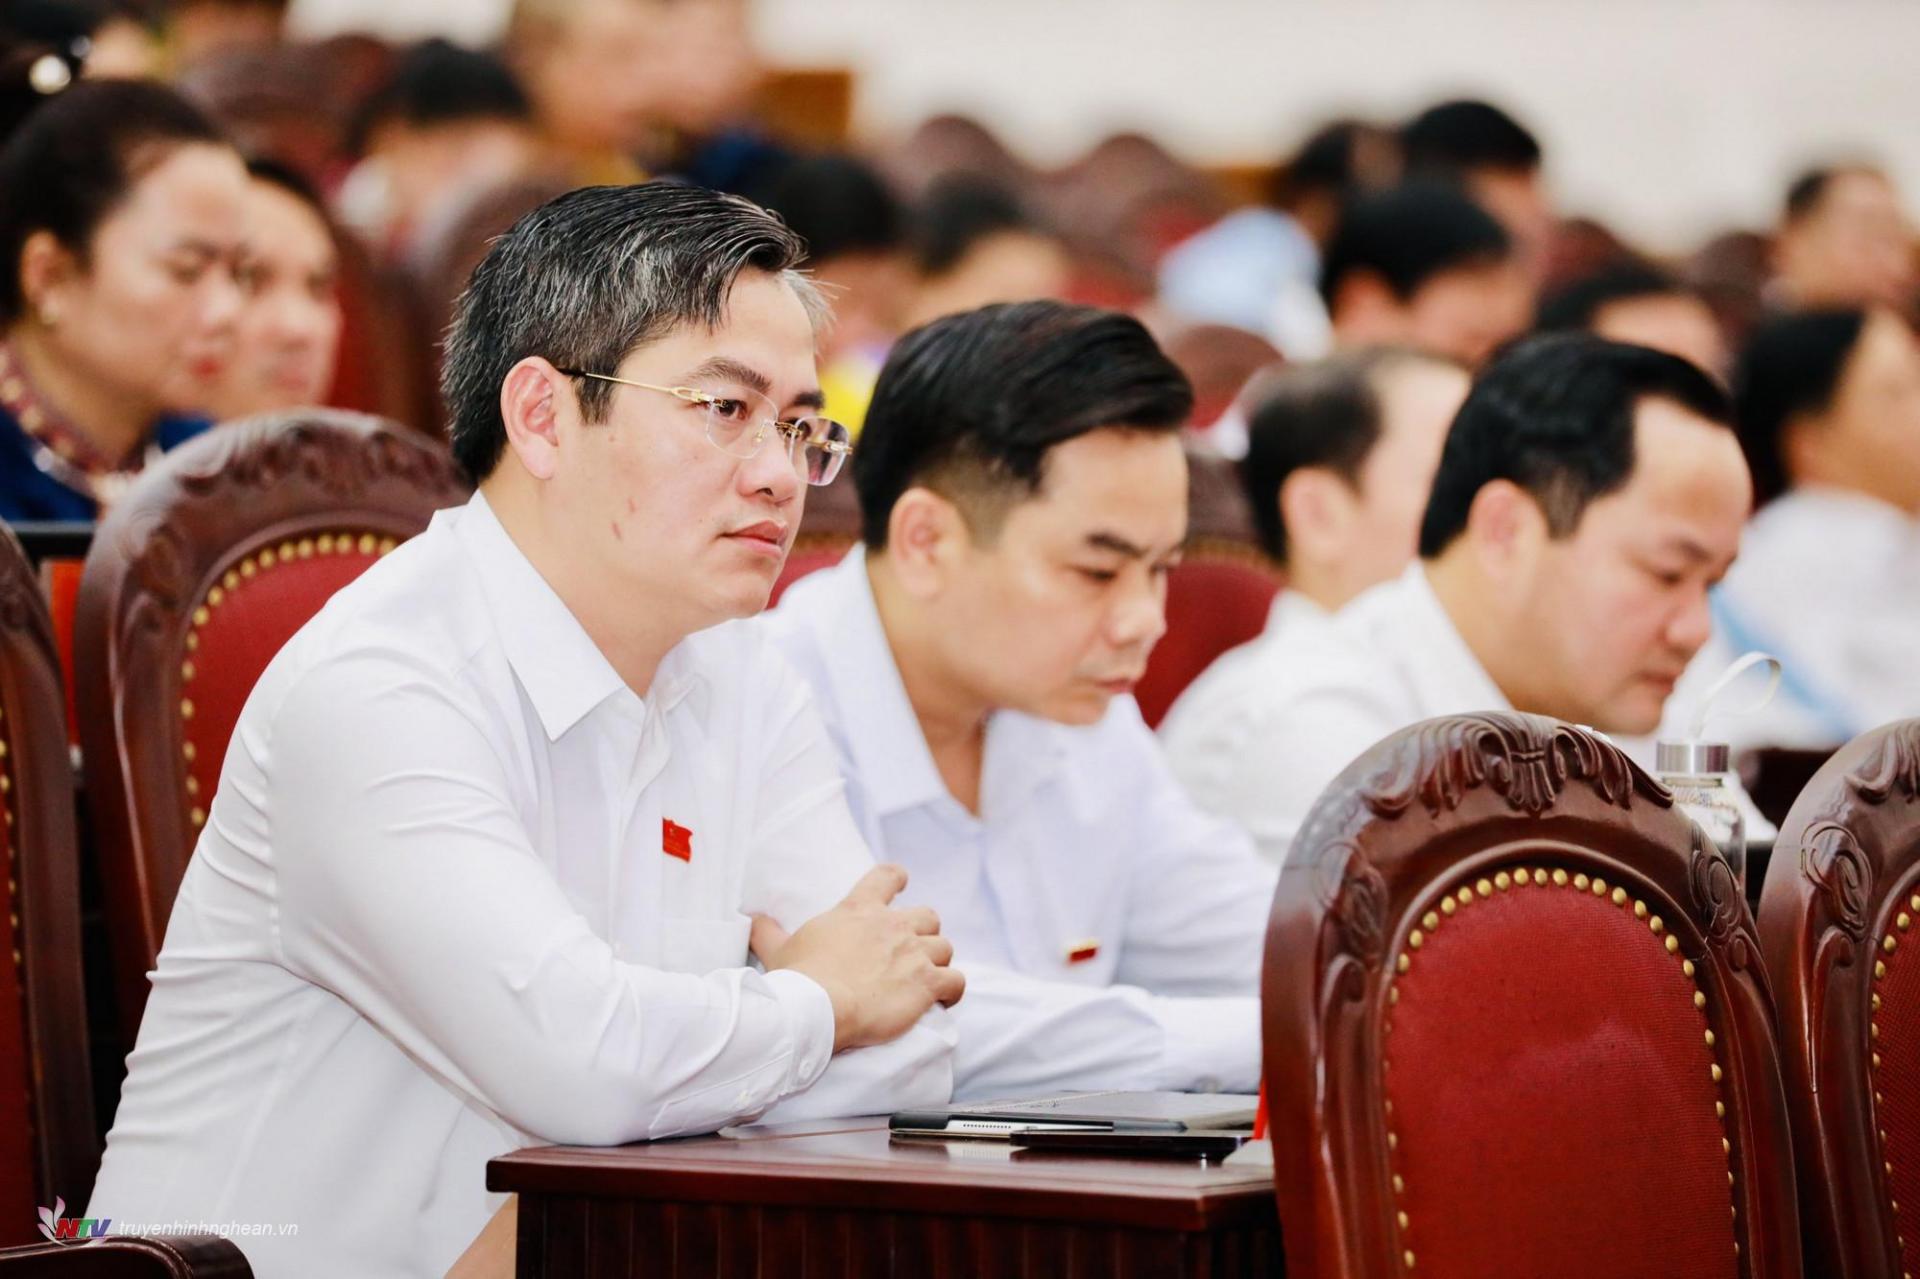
(29, 493)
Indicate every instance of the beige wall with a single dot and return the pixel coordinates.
(1669, 118)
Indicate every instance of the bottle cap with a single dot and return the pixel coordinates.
(1692, 758)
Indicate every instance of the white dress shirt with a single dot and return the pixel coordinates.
(436, 916)
(1110, 931)
(1260, 734)
(1828, 582)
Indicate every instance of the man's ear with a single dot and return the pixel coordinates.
(1316, 507)
(533, 397)
(926, 536)
(1366, 309)
(1506, 527)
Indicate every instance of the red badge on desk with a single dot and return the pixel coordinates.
(676, 840)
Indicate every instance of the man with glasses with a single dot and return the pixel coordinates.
(1023, 494)
(499, 827)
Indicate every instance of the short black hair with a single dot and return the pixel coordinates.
(585, 279)
(958, 212)
(1328, 162)
(438, 82)
(1792, 365)
(1578, 303)
(1409, 234)
(75, 158)
(972, 403)
(1327, 415)
(1452, 139)
(838, 204)
(289, 179)
(1805, 192)
(1554, 414)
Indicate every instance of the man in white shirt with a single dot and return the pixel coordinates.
(495, 827)
(1023, 493)
(1340, 455)
(1829, 573)
(1588, 495)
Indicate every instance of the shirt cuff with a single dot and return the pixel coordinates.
(1212, 1043)
(809, 1025)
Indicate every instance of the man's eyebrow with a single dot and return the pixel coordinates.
(1686, 546)
(729, 369)
(1106, 541)
(721, 366)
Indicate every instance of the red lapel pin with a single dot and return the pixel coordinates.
(676, 840)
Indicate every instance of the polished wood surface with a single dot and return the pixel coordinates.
(843, 1199)
(42, 898)
(1848, 861)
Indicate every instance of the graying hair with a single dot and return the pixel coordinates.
(585, 279)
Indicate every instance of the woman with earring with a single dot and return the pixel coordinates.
(120, 229)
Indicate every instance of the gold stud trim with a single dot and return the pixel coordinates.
(1524, 877)
(1888, 945)
(249, 569)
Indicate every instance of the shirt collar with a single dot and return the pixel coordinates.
(563, 671)
(1450, 679)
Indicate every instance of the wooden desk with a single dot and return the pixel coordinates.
(842, 1200)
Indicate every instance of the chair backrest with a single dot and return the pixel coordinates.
(1219, 595)
(1515, 1023)
(1838, 929)
(47, 1140)
(216, 556)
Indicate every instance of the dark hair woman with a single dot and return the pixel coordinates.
(120, 230)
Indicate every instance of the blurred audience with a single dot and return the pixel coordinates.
(447, 122)
(201, 29)
(1844, 240)
(1258, 269)
(1587, 496)
(855, 230)
(975, 244)
(1496, 160)
(288, 334)
(1638, 303)
(1422, 265)
(122, 228)
(1828, 579)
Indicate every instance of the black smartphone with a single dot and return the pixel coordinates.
(1197, 1143)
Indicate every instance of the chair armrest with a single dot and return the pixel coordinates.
(128, 1257)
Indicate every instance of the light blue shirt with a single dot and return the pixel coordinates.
(1111, 932)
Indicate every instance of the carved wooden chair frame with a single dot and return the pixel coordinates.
(198, 525)
(1840, 902)
(1423, 825)
(43, 870)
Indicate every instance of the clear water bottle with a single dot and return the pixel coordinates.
(1700, 777)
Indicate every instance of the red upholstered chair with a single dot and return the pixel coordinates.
(196, 578)
(1838, 926)
(1516, 1024)
(1219, 595)
(48, 1145)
